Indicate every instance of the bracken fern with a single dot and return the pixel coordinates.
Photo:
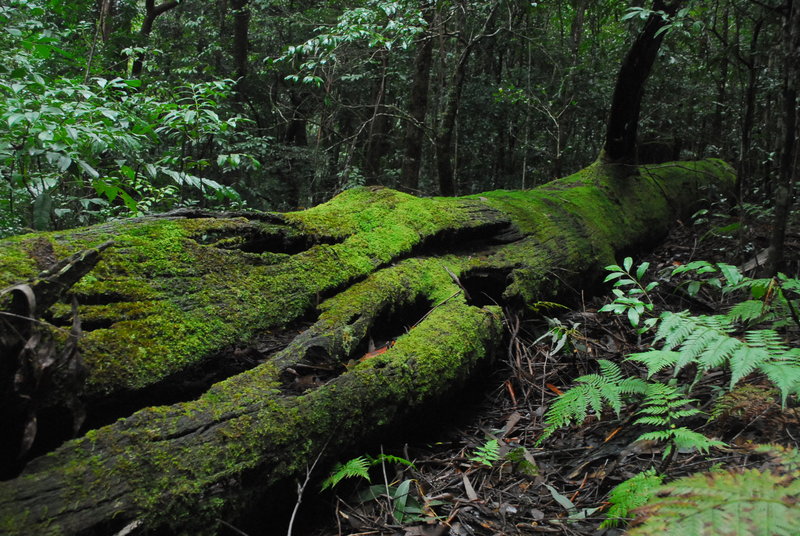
(707, 342)
(751, 502)
(630, 494)
(593, 391)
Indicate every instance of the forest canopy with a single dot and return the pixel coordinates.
(117, 108)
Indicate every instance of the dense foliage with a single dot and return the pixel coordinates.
(121, 107)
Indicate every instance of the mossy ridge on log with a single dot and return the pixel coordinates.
(165, 300)
(189, 464)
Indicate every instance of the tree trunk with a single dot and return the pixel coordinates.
(188, 293)
(377, 144)
(789, 152)
(623, 121)
(241, 24)
(152, 12)
(444, 138)
(417, 110)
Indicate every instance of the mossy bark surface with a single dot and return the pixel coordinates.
(174, 291)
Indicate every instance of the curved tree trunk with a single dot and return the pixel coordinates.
(419, 278)
(626, 102)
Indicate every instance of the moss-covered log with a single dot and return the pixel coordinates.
(173, 292)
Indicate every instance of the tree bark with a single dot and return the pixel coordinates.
(417, 110)
(789, 152)
(152, 12)
(175, 291)
(626, 102)
(447, 124)
(241, 24)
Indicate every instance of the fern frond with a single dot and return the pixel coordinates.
(785, 376)
(657, 435)
(684, 438)
(696, 344)
(488, 453)
(719, 351)
(593, 391)
(681, 438)
(356, 467)
(656, 360)
(747, 311)
(745, 361)
(751, 502)
(769, 339)
(380, 458)
(630, 494)
(744, 402)
(674, 328)
(610, 370)
(651, 420)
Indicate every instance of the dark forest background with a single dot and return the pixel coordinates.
(124, 107)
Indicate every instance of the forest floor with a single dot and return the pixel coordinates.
(458, 486)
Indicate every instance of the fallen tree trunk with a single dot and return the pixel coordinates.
(423, 276)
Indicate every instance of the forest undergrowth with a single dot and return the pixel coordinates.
(515, 467)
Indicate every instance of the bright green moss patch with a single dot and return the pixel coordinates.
(171, 292)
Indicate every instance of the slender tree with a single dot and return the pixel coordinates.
(789, 152)
(623, 119)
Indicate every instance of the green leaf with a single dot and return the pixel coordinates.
(401, 497)
(633, 316)
(15, 118)
(641, 270)
(627, 263)
(731, 273)
(88, 169)
(693, 288)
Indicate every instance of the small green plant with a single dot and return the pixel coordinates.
(359, 467)
(663, 406)
(707, 342)
(406, 507)
(488, 453)
(593, 391)
(560, 336)
(630, 494)
(631, 294)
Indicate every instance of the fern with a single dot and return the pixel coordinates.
(741, 503)
(593, 391)
(630, 494)
(707, 342)
(359, 467)
(748, 311)
(681, 438)
(744, 402)
(663, 406)
(488, 453)
(356, 467)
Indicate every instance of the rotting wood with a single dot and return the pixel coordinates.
(187, 465)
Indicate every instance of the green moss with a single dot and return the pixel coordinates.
(164, 298)
(168, 298)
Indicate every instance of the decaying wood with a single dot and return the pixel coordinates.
(380, 269)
